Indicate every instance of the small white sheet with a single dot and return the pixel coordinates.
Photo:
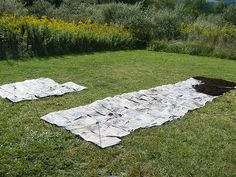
(36, 88)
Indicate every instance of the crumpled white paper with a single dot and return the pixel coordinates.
(104, 122)
(36, 88)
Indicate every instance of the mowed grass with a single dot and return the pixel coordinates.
(203, 143)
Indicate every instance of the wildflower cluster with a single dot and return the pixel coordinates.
(21, 35)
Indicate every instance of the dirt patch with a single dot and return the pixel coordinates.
(214, 87)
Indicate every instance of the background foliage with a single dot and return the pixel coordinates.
(188, 21)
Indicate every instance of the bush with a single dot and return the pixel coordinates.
(157, 45)
(177, 47)
(11, 6)
(2, 42)
(131, 17)
(211, 20)
(74, 11)
(192, 48)
(146, 24)
(162, 4)
(32, 36)
(210, 33)
(229, 53)
(230, 14)
(41, 8)
(164, 24)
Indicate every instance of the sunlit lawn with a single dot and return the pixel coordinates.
(203, 143)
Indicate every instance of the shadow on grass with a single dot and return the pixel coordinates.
(58, 56)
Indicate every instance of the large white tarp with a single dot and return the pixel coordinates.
(104, 122)
(36, 88)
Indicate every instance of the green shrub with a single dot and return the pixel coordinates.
(41, 8)
(164, 24)
(230, 14)
(11, 6)
(128, 16)
(177, 47)
(210, 32)
(74, 11)
(162, 4)
(2, 42)
(146, 23)
(211, 20)
(157, 45)
(220, 52)
(192, 48)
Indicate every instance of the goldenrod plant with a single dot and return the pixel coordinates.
(28, 35)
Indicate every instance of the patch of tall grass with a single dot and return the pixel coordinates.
(192, 48)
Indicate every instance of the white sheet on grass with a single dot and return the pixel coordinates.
(36, 88)
(105, 121)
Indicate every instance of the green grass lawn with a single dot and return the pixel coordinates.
(203, 143)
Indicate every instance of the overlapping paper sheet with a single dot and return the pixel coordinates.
(105, 121)
(36, 88)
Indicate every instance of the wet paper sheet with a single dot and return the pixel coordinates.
(36, 88)
(104, 122)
